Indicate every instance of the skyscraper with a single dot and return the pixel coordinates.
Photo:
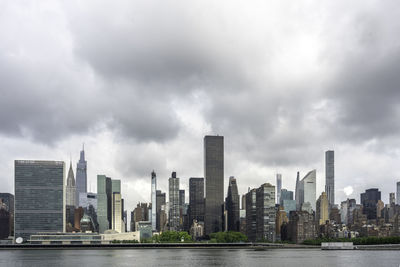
(266, 214)
(81, 175)
(196, 200)
(398, 193)
(307, 189)
(251, 215)
(117, 216)
(160, 201)
(297, 191)
(214, 177)
(232, 205)
(392, 199)
(174, 202)
(153, 201)
(330, 176)
(278, 187)
(104, 201)
(322, 209)
(71, 188)
(39, 197)
(369, 199)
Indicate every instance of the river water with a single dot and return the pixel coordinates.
(198, 257)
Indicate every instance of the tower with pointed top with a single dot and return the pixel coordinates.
(81, 175)
(71, 188)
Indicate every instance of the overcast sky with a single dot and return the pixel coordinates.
(142, 82)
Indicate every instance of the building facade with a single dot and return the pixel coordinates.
(278, 187)
(232, 206)
(104, 202)
(322, 209)
(39, 197)
(7, 201)
(71, 188)
(251, 215)
(214, 178)
(196, 200)
(160, 200)
(307, 190)
(266, 214)
(81, 175)
(154, 201)
(174, 216)
(369, 200)
(330, 176)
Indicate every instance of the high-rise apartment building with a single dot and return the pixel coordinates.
(214, 178)
(81, 175)
(392, 199)
(330, 176)
(153, 201)
(278, 188)
(196, 200)
(39, 197)
(8, 205)
(174, 222)
(71, 188)
(307, 189)
(232, 206)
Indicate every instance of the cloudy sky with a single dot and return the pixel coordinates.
(142, 82)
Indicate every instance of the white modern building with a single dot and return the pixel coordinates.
(308, 189)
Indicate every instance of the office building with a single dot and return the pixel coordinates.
(104, 202)
(5, 222)
(322, 209)
(392, 199)
(288, 205)
(301, 226)
(39, 197)
(71, 188)
(285, 195)
(307, 190)
(232, 206)
(398, 193)
(160, 200)
(278, 188)
(81, 175)
(266, 214)
(154, 201)
(251, 215)
(117, 218)
(214, 178)
(174, 216)
(369, 200)
(330, 176)
(196, 200)
(8, 204)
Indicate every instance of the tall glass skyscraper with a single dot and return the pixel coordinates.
(308, 189)
(39, 197)
(330, 176)
(196, 200)
(214, 175)
(81, 175)
(104, 201)
(232, 205)
(153, 201)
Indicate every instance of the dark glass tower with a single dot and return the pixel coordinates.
(369, 199)
(196, 200)
(81, 175)
(39, 197)
(160, 200)
(232, 205)
(214, 175)
(104, 199)
(330, 176)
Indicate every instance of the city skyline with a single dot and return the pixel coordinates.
(144, 92)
